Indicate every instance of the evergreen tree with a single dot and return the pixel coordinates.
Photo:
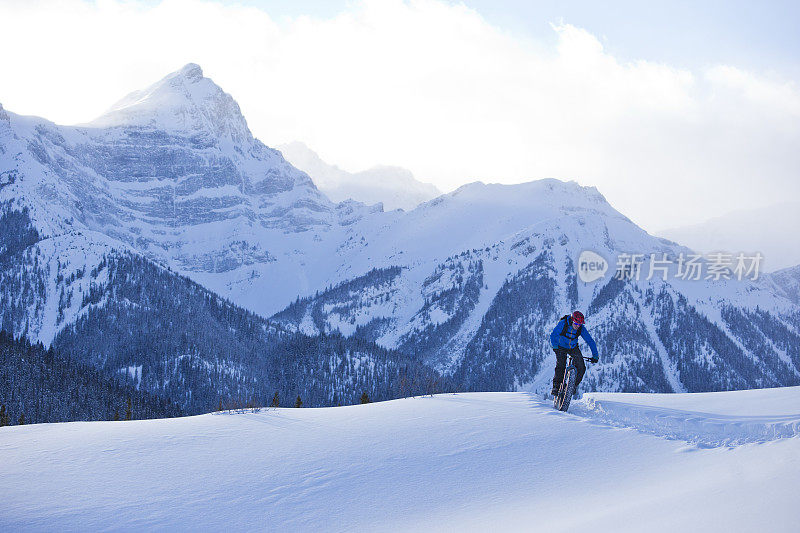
(275, 402)
(49, 387)
(116, 415)
(364, 397)
(128, 410)
(21, 420)
(298, 402)
(219, 407)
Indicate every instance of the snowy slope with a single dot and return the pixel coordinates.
(394, 187)
(474, 462)
(786, 282)
(44, 289)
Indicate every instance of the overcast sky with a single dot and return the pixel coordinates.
(676, 111)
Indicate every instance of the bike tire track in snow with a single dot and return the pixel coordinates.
(700, 418)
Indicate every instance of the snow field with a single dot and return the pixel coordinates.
(479, 461)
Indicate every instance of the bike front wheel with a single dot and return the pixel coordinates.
(561, 401)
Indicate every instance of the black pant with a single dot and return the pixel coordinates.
(561, 365)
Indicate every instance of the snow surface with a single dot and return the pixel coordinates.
(480, 461)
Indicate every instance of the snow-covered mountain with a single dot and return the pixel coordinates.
(174, 173)
(469, 283)
(101, 222)
(769, 230)
(96, 303)
(786, 282)
(394, 187)
(473, 282)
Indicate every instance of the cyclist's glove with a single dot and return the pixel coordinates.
(594, 359)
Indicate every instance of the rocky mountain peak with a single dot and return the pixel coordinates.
(185, 102)
(192, 72)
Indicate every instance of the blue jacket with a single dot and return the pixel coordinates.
(557, 340)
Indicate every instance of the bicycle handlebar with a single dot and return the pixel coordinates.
(585, 358)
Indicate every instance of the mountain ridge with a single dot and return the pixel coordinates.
(394, 187)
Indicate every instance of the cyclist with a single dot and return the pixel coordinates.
(564, 341)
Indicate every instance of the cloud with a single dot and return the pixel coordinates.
(433, 87)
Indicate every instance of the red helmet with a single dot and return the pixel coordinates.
(577, 318)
